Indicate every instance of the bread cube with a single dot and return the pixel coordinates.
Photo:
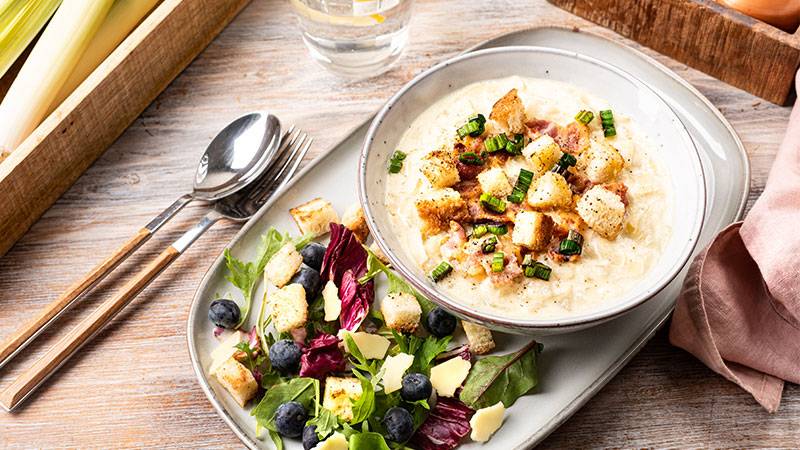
(237, 380)
(479, 338)
(401, 311)
(509, 113)
(532, 230)
(494, 181)
(543, 153)
(439, 167)
(550, 190)
(355, 220)
(603, 211)
(605, 163)
(339, 396)
(314, 217)
(289, 307)
(283, 265)
(438, 207)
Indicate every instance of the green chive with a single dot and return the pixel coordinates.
(515, 147)
(521, 187)
(572, 244)
(498, 262)
(497, 229)
(573, 235)
(607, 120)
(491, 145)
(479, 230)
(396, 162)
(489, 244)
(470, 158)
(492, 203)
(541, 271)
(441, 271)
(568, 160)
(584, 116)
(474, 126)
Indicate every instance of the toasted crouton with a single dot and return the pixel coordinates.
(339, 396)
(439, 167)
(494, 181)
(314, 217)
(605, 163)
(479, 338)
(550, 190)
(509, 112)
(282, 266)
(289, 307)
(401, 312)
(437, 208)
(356, 222)
(603, 211)
(237, 380)
(532, 230)
(543, 153)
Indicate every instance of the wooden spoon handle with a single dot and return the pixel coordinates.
(83, 332)
(40, 321)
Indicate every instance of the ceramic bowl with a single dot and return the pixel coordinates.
(626, 93)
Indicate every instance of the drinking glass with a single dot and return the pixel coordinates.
(355, 38)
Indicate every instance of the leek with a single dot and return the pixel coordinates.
(47, 68)
(123, 17)
(20, 22)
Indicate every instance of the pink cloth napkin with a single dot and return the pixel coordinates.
(739, 311)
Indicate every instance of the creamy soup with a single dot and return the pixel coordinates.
(607, 194)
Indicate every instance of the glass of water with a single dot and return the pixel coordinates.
(355, 38)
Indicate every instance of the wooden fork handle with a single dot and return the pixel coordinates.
(83, 332)
(40, 321)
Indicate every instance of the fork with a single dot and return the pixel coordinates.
(238, 207)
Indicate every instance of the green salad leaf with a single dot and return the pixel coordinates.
(501, 378)
(325, 421)
(276, 439)
(367, 441)
(396, 283)
(302, 390)
(365, 405)
(425, 350)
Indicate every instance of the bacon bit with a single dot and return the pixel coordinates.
(511, 272)
(470, 192)
(620, 189)
(580, 183)
(538, 127)
(574, 138)
(455, 243)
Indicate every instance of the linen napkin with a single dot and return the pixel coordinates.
(739, 310)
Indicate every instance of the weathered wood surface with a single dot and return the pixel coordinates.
(707, 35)
(134, 387)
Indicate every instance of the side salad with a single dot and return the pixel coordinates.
(327, 364)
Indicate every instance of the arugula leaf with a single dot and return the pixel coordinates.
(361, 363)
(326, 423)
(396, 283)
(501, 378)
(425, 350)
(367, 441)
(302, 390)
(365, 405)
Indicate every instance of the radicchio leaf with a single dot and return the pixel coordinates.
(446, 425)
(321, 357)
(252, 339)
(356, 299)
(345, 261)
(461, 351)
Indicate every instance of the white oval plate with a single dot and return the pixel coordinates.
(573, 367)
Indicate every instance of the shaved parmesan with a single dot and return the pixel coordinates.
(448, 376)
(331, 302)
(372, 346)
(486, 421)
(336, 441)
(394, 369)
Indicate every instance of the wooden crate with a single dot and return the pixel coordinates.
(101, 108)
(716, 39)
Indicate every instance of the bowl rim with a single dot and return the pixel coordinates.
(528, 325)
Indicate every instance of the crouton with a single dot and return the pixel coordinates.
(543, 153)
(494, 181)
(379, 253)
(339, 396)
(550, 190)
(401, 311)
(439, 167)
(314, 217)
(605, 163)
(509, 112)
(479, 338)
(289, 307)
(532, 230)
(356, 222)
(603, 211)
(437, 208)
(283, 265)
(237, 380)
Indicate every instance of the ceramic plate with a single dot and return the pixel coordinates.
(573, 367)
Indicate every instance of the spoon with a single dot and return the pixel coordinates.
(234, 158)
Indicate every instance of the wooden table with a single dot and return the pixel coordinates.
(134, 386)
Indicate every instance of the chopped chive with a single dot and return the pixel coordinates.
(479, 230)
(609, 131)
(470, 158)
(474, 126)
(514, 147)
(521, 187)
(584, 116)
(441, 271)
(396, 161)
(489, 244)
(498, 262)
(492, 203)
(607, 120)
(573, 235)
(568, 160)
(497, 229)
(542, 271)
(490, 144)
(572, 244)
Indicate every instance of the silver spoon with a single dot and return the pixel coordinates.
(235, 158)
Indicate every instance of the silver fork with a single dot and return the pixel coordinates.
(238, 207)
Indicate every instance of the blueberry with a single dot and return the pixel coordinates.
(290, 418)
(416, 386)
(441, 323)
(399, 424)
(224, 313)
(313, 254)
(310, 438)
(310, 280)
(285, 356)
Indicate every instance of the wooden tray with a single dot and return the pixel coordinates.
(101, 108)
(716, 39)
